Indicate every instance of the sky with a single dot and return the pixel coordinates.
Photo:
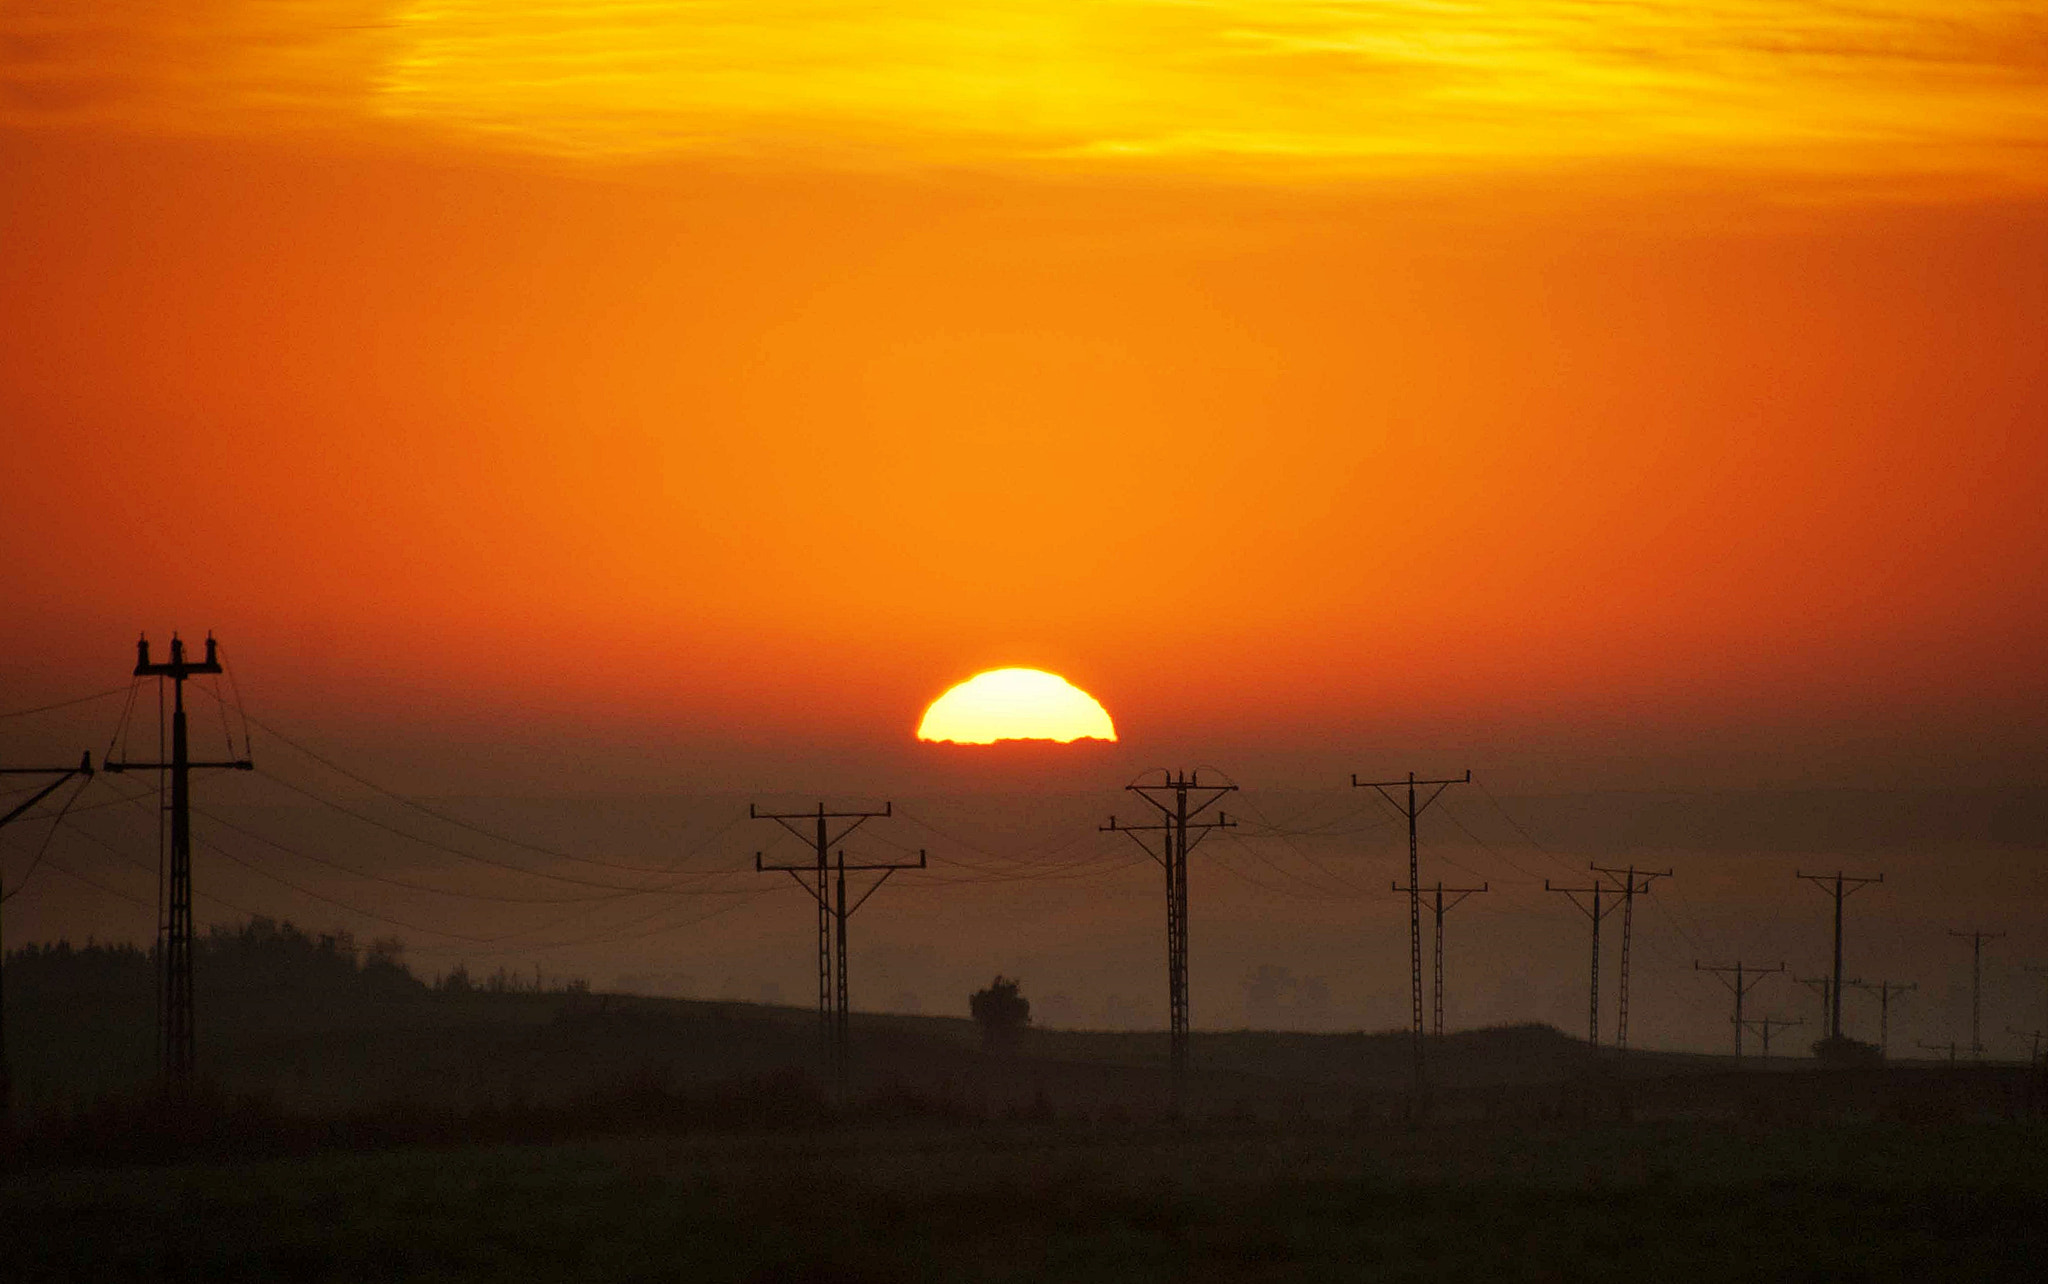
(652, 399)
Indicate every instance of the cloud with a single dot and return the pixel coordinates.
(1246, 88)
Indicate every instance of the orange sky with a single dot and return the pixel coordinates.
(1544, 379)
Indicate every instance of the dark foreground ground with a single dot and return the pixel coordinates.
(1070, 1201)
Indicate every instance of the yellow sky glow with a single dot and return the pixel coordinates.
(1244, 88)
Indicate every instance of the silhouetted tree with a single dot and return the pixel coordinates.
(1001, 1012)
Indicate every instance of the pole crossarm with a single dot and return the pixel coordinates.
(1627, 876)
(1435, 787)
(1167, 829)
(786, 819)
(1459, 892)
(62, 774)
(1595, 910)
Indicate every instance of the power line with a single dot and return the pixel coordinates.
(442, 816)
(64, 704)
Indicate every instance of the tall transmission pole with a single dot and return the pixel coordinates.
(1412, 805)
(1180, 799)
(1843, 886)
(1976, 940)
(822, 831)
(63, 774)
(1594, 911)
(1884, 990)
(1457, 895)
(1746, 979)
(1634, 882)
(177, 1030)
(1764, 1025)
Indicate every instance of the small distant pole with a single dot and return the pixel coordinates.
(1884, 990)
(2034, 1038)
(1824, 987)
(1457, 895)
(1949, 1047)
(1976, 940)
(1744, 982)
(1764, 1025)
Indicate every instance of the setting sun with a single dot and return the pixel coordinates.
(1015, 704)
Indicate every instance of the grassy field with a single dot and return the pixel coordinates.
(1672, 1201)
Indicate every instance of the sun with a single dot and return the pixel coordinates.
(1015, 704)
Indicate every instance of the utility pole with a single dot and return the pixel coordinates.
(1884, 990)
(1745, 981)
(1634, 882)
(2034, 1038)
(178, 1049)
(1976, 940)
(1458, 895)
(1179, 828)
(1844, 885)
(1764, 1025)
(83, 771)
(822, 834)
(1824, 987)
(1949, 1047)
(1411, 808)
(1594, 911)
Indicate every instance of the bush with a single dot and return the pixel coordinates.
(1001, 1012)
